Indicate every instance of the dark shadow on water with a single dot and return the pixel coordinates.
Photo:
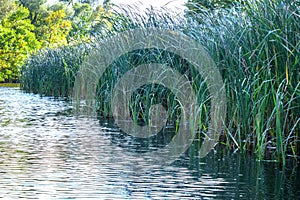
(139, 145)
(222, 174)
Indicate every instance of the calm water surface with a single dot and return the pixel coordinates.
(48, 153)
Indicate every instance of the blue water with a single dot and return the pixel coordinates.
(48, 153)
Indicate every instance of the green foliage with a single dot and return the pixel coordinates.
(198, 5)
(35, 25)
(35, 8)
(197, 9)
(256, 48)
(103, 21)
(90, 2)
(6, 7)
(81, 22)
(52, 71)
(87, 23)
(55, 29)
(17, 41)
(51, 24)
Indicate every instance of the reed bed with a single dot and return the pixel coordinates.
(256, 48)
(52, 72)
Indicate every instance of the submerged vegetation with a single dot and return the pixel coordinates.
(256, 46)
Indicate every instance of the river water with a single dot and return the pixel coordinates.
(48, 153)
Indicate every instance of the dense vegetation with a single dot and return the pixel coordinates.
(27, 26)
(255, 45)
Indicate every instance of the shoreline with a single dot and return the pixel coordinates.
(10, 84)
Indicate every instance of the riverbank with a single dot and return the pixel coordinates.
(10, 84)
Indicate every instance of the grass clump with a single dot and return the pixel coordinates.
(256, 47)
(52, 72)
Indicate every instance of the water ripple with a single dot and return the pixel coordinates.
(47, 153)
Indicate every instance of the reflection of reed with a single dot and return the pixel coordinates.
(79, 160)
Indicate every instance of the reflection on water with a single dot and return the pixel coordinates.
(46, 152)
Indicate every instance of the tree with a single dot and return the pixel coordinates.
(81, 22)
(209, 4)
(87, 21)
(55, 29)
(196, 7)
(90, 2)
(37, 13)
(51, 24)
(6, 7)
(17, 41)
(107, 3)
(35, 8)
(103, 20)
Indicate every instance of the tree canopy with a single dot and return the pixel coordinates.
(27, 26)
(6, 6)
(198, 7)
(17, 41)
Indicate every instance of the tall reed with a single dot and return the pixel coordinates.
(52, 71)
(256, 48)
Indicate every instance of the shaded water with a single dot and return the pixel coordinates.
(47, 153)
